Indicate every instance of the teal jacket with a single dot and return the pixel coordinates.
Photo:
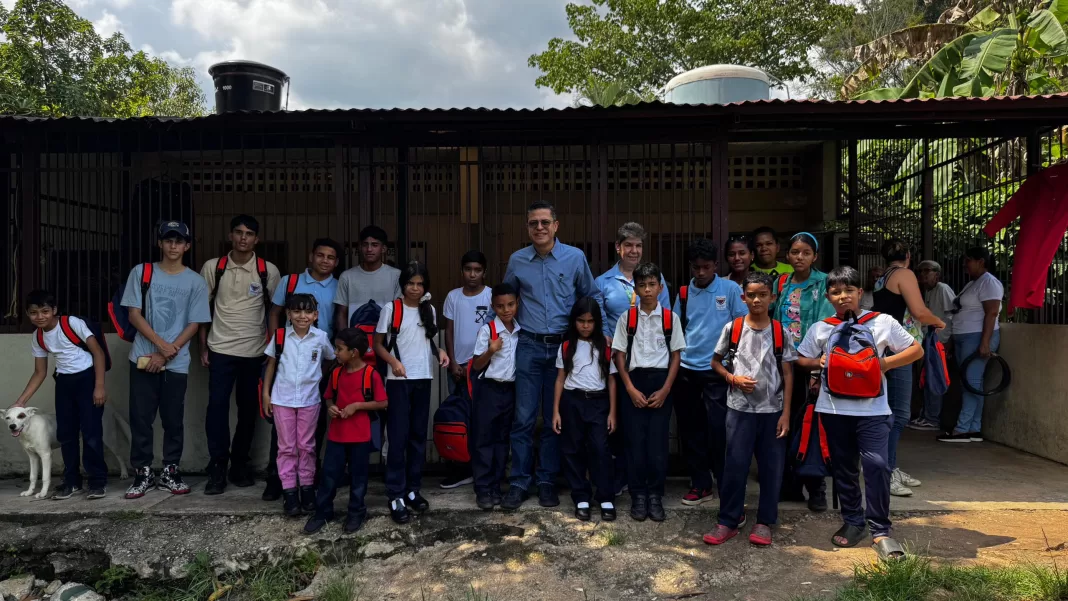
(814, 304)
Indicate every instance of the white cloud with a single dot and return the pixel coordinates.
(107, 24)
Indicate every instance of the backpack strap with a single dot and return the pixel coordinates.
(668, 323)
(737, 326)
(867, 317)
(565, 348)
(806, 432)
(608, 351)
(220, 269)
(64, 325)
(368, 392)
(334, 377)
(632, 329)
(146, 282)
(394, 327)
(40, 340)
(494, 335)
(684, 294)
(778, 345)
(834, 321)
(291, 284)
(279, 343)
(781, 283)
(261, 268)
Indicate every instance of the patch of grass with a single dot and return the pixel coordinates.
(613, 537)
(115, 581)
(918, 579)
(341, 586)
(267, 583)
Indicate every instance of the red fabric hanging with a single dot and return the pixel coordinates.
(1041, 203)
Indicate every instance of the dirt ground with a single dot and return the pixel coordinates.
(548, 555)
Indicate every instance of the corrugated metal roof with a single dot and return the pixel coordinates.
(755, 107)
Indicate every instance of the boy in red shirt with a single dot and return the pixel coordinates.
(354, 389)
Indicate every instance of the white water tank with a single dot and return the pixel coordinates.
(718, 84)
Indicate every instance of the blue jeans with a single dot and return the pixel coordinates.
(899, 394)
(535, 381)
(76, 414)
(971, 408)
(749, 434)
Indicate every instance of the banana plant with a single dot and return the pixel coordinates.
(1022, 50)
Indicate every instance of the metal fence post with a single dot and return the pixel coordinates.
(927, 206)
(854, 198)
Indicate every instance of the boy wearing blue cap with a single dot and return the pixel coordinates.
(166, 320)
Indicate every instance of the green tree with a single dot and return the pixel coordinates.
(641, 44)
(605, 93)
(1008, 48)
(54, 63)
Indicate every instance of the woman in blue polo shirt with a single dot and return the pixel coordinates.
(617, 287)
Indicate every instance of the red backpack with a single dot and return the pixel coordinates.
(632, 329)
(737, 326)
(567, 351)
(72, 336)
(394, 331)
(684, 294)
(368, 397)
(473, 375)
(852, 370)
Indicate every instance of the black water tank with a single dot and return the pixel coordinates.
(247, 86)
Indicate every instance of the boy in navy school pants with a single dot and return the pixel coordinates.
(80, 394)
(858, 430)
(759, 371)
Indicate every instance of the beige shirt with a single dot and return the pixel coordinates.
(237, 327)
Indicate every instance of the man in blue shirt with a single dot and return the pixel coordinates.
(701, 399)
(317, 280)
(550, 276)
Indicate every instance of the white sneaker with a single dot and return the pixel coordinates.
(904, 478)
(898, 489)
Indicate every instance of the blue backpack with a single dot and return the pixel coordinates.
(72, 336)
(365, 319)
(934, 376)
(120, 315)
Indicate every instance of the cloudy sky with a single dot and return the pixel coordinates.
(355, 53)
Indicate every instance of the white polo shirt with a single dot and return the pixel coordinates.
(502, 363)
(649, 350)
(412, 343)
(296, 380)
(70, 358)
(585, 372)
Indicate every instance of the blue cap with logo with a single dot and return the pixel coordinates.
(174, 227)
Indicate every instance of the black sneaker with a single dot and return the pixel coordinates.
(170, 480)
(291, 503)
(456, 481)
(273, 491)
(240, 476)
(818, 504)
(639, 507)
(307, 498)
(314, 525)
(216, 484)
(416, 502)
(496, 495)
(399, 512)
(514, 499)
(656, 509)
(65, 492)
(144, 481)
(547, 496)
(950, 437)
(975, 436)
(353, 524)
(583, 513)
(96, 493)
(484, 500)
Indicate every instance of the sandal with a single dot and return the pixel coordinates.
(889, 549)
(850, 534)
(720, 535)
(761, 535)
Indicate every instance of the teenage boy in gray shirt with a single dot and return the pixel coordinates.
(370, 280)
(177, 304)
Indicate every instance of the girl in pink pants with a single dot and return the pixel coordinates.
(291, 395)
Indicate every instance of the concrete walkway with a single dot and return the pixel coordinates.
(956, 477)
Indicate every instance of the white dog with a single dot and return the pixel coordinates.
(36, 433)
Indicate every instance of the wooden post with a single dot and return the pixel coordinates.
(719, 171)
